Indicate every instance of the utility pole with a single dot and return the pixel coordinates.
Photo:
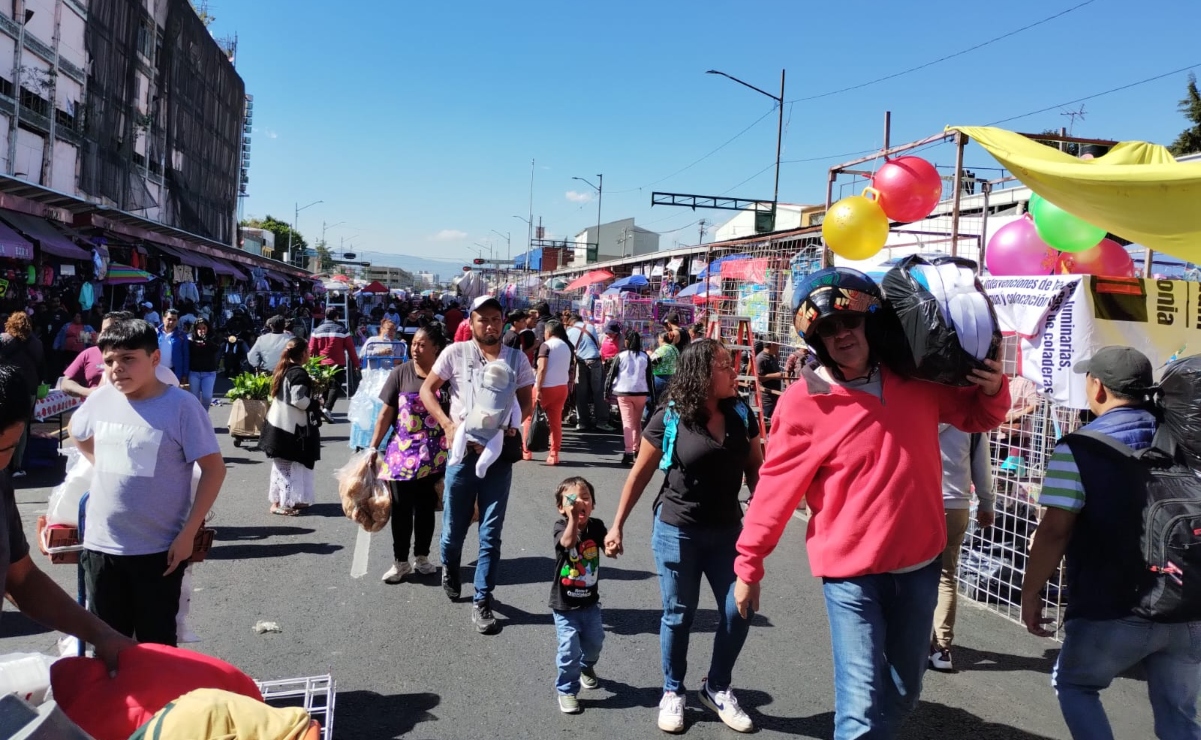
(704, 223)
(529, 244)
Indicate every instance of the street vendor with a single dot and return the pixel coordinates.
(85, 372)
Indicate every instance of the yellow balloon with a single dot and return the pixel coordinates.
(855, 228)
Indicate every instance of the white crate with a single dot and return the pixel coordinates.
(317, 694)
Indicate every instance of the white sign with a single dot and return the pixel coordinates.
(1062, 320)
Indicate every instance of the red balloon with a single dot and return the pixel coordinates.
(1107, 259)
(910, 188)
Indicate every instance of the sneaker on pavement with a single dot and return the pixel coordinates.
(481, 617)
(671, 712)
(940, 659)
(588, 679)
(568, 704)
(399, 569)
(450, 583)
(19, 474)
(726, 706)
(581, 428)
(604, 428)
(422, 565)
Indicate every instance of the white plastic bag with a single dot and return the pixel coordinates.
(27, 675)
(364, 403)
(64, 499)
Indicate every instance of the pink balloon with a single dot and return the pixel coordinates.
(1017, 249)
(1107, 259)
(910, 188)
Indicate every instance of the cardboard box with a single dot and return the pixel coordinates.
(246, 418)
(52, 538)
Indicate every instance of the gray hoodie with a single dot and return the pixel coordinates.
(961, 469)
(265, 353)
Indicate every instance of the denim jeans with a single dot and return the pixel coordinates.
(202, 386)
(462, 489)
(590, 393)
(581, 635)
(880, 628)
(1095, 651)
(683, 555)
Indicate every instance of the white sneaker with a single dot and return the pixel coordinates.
(726, 706)
(422, 565)
(940, 659)
(399, 569)
(671, 712)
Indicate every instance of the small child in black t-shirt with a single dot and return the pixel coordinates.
(579, 541)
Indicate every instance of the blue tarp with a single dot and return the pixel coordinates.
(531, 260)
(633, 281)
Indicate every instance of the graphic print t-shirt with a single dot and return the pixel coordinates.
(577, 569)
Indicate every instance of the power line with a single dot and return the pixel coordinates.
(940, 60)
(1096, 95)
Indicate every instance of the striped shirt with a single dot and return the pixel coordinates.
(1062, 488)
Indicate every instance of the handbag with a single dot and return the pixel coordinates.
(510, 448)
(537, 439)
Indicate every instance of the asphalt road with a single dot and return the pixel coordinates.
(409, 663)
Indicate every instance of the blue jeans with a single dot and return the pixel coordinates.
(202, 386)
(462, 490)
(880, 627)
(581, 635)
(1095, 651)
(682, 555)
(661, 382)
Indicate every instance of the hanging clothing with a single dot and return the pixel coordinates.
(87, 297)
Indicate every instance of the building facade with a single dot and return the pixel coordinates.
(129, 104)
(393, 277)
(617, 239)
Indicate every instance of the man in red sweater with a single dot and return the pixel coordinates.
(859, 444)
(332, 342)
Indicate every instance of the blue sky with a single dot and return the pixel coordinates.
(415, 122)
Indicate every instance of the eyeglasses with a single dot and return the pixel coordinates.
(832, 326)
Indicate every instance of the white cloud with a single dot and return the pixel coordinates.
(269, 133)
(449, 235)
(577, 197)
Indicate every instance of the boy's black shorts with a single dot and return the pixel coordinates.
(131, 594)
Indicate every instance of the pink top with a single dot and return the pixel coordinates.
(609, 348)
(87, 368)
(870, 469)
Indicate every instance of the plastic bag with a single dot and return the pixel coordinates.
(27, 675)
(365, 498)
(64, 499)
(1181, 403)
(365, 404)
(945, 316)
(537, 439)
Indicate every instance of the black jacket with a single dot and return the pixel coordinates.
(205, 353)
(26, 355)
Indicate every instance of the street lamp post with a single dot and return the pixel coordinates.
(295, 218)
(529, 223)
(600, 191)
(775, 197)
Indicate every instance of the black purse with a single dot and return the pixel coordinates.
(511, 449)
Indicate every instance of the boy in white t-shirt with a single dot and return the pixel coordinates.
(143, 437)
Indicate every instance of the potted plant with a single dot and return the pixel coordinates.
(322, 375)
(251, 395)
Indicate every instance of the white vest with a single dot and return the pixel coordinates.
(631, 373)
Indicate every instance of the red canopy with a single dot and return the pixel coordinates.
(588, 278)
(375, 287)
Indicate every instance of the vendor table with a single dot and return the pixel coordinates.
(55, 405)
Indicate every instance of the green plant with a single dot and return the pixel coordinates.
(251, 387)
(322, 375)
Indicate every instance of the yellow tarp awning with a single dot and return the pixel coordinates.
(1137, 191)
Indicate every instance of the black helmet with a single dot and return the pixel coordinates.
(831, 291)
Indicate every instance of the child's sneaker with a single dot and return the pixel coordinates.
(726, 706)
(671, 712)
(399, 569)
(588, 678)
(568, 704)
(422, 565)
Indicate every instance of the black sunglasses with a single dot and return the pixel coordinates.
(832, 326)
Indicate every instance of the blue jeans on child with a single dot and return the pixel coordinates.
(202, 386)
(581, 635)
(683, 555)
(462, 489)
(1095, 651)
(880, 626)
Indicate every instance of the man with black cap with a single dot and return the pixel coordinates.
(1092, 512)
(461, 367)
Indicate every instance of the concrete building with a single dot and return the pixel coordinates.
(257, 241)
(428, 279)
(617, 239)
(788, 216)
(393, 277)
(129, 104)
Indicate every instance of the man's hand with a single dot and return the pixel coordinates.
(989, 380)
(985, 519)
(449, 428)
(1032, 615)
(613, 546)
(746, 597)
(181, 550)
(110, 646)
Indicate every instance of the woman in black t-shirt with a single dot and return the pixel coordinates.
(708, 439)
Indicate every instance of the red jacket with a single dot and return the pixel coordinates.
(332, 343)
(870, 469)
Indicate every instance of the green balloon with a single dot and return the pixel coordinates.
(1062, 230)
(1035, 203)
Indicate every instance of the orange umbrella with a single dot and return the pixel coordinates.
(588, 278)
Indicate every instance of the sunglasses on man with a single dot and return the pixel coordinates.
(832, 326)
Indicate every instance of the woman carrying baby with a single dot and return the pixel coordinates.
(415, 459)
(555, 358)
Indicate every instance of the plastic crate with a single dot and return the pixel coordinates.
(316, 694)
(61, 544)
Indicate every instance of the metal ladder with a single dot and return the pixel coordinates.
(743, 346)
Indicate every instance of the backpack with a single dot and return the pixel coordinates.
(1170, 538)
(671, 425)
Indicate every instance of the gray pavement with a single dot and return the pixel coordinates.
(408, 663)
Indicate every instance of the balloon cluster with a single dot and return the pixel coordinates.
(905, 189)
(1050, 240)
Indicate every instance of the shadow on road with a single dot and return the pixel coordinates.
(239, 534)
(541, 568)
(279, 550)
(937, 720)
(967, 659)
(366, 714)
(242, 461)
(646, 621)
(333, 510)
(16, 624)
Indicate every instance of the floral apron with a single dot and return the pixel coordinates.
(418, 448)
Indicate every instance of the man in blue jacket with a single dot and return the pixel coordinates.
(173, 345)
